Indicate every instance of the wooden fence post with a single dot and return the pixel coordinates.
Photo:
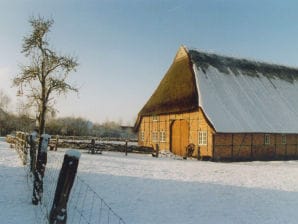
(24, 149)
(32, 143)
(199, 153)
(58, 214)
(92, 146)
(157, 150)
(40, 169)
(57, 141)
(126, 147)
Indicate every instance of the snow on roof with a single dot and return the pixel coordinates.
(238, 95)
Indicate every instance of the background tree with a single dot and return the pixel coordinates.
(70, 126)
(4, 101)
(43, 78)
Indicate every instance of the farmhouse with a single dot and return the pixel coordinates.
(224, 108)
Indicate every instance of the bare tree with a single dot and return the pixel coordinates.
(47, 72)
(42, 79)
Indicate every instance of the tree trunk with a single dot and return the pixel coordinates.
(42, 121)
(42, 148)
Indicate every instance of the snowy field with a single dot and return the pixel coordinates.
(143, 189)
(146, 190)
(15, 203)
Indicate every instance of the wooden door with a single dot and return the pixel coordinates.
(179, 137)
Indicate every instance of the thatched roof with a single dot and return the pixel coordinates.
(176, 91)
(236, 95)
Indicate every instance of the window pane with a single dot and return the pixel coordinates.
(267, 139)
(155, 136)
(202, 137)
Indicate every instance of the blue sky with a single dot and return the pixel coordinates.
(125, 47)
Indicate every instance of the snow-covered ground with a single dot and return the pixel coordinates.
(15, 202)
(146, 190)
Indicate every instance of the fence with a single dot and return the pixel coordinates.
(21, 146)
(100, 145)
(85, 206)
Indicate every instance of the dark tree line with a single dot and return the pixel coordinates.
(9, 123)
(71, 126)
(67, 126)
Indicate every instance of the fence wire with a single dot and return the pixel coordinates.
(85, 206)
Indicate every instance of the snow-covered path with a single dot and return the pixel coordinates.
(15, 204)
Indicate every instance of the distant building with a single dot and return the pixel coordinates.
(227, 108)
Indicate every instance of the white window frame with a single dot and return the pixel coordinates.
(142, 135)
(202, 138)
(283, 139)
(154, 136)
(154, 118)
(162, 136)
(267, 139)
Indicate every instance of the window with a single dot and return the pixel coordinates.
(162, 136)
(267, 139)
(202, 137)
(154, 136)
(283, 139)
(142, 136)
(154, 118)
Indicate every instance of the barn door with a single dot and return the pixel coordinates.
(179, 137)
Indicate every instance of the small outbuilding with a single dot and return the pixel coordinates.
(225, 108)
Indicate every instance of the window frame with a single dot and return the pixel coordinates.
(267, 139)
(154, 118)
(155, 136)
(162, 136)
(203, 138)
(283, 139)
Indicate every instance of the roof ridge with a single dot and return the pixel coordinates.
(240, 58)
(236, 66)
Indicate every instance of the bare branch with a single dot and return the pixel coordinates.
(47, 71)
(37, 38)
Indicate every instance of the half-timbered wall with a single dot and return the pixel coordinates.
(152, 129)
(254, 146)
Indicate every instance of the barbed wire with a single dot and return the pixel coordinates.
(85, 206)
